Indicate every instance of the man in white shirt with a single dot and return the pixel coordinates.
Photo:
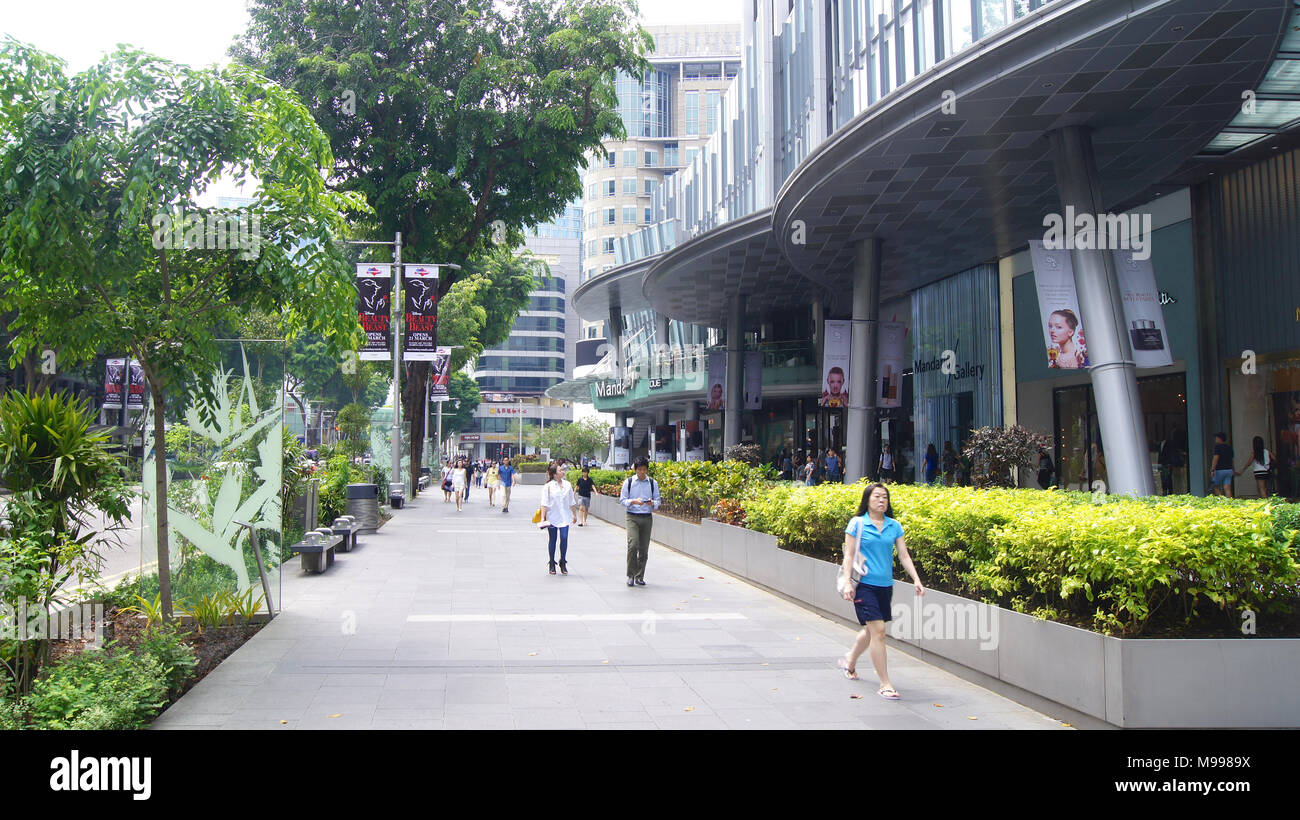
(640, 495)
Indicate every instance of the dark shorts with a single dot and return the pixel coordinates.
(584, 501)
(872, 603)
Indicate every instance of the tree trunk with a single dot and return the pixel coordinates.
(417, 412)
(160, 501)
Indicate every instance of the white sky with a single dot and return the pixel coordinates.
(81, 31)
(199, 34)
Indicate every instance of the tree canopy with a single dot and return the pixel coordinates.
(103, 242)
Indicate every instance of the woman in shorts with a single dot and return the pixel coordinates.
(869, 543)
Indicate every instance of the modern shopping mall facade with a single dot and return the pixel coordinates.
(883, 166)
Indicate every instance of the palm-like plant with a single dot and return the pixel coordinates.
(62, 474)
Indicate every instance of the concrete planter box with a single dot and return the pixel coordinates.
(1130, 683)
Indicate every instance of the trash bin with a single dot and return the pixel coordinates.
(396, 495)
(363, 505)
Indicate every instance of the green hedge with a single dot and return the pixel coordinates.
(1120, 566)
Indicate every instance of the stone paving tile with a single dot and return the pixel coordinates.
(345, 645)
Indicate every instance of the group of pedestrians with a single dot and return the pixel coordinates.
(459, 474)
(560, 506)
(870, 540)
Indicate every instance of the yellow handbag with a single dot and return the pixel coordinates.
(541, 511)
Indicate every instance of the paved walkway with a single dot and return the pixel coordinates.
(450, 620)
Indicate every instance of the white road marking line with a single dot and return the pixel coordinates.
(562, 617)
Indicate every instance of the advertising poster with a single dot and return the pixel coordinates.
(1058, 307)
(440, 374)
(374, 295)
(717, 380)
(694, 440)
(135, 386)
(663, 449)
(114, 382)
(1142, 314)
(420, 328)
(891, 360)
(835, 364)
(753, 380)
(621, 438)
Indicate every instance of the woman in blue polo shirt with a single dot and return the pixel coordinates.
(869, 542)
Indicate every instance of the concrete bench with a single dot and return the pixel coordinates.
(348, 531)
(316, 558)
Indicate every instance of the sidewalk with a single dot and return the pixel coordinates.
(450, 620)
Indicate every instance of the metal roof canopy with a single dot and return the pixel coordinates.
(950, 191)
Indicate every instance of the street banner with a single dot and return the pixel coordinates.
(420, 329)
(663, 448)
(1146, 321)
(374, 295)
(835, 364)
(716, 393)
(114, 383)
(440, 374)
(1058, 307)
(891, 360)
(753, 380)
(135, 386)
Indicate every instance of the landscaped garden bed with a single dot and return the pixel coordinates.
(1172, 566)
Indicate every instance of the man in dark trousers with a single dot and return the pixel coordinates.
(640, 495)
(507, 474)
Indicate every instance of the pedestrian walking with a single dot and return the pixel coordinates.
(834, 467)
(931, 464)
(868, 580)
(809, 472)
(1169, 459)
(1261, 463)
(560, 505)
(446, 481)
(949, 464)
(1221, 466)
(885, 468)
(493, 484)
(585, 487)
(507, 474)
(787, 466)
(459, 480)
(1045, 469)
(640, 495)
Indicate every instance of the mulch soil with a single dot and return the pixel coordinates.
(211, 647)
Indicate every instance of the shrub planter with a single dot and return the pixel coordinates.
(1126, 682)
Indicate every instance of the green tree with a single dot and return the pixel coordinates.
(573, 440)
(94, 169)
(463, 121)
(354, 423)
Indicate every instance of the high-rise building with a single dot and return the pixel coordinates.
(540, 351)
(668, 116)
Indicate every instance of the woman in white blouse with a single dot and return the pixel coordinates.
(561, 507)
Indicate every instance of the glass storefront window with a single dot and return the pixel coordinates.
(1267, 404)
(1080, 453)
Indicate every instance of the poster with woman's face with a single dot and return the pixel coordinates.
(1058, 304)
(835, 364)
(717, 380)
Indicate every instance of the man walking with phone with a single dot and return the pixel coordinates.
(640, 495)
